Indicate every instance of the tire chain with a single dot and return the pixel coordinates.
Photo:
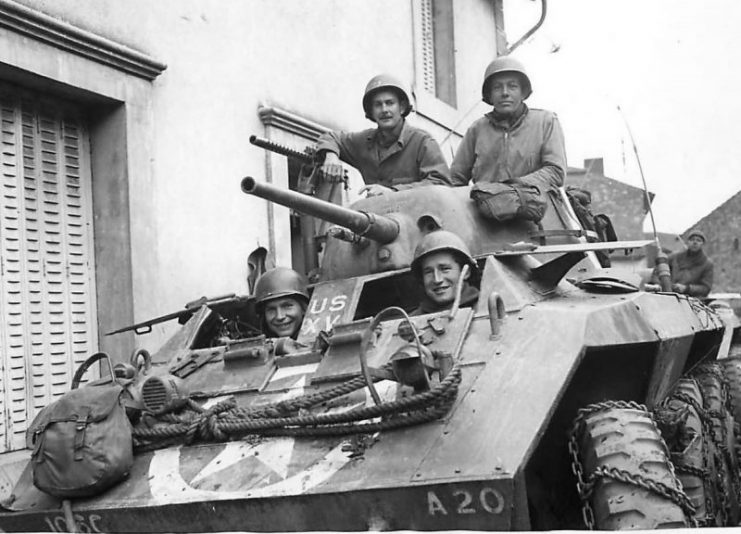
(711, 508)
(724, 459)
(586, 487)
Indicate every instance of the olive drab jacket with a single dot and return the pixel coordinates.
(414, 159)
(693, 270)
(530, 151)
(469, 297)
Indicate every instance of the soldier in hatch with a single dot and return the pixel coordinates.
(392, 156)
(512, 143)
(281, 299)
(691, 269)
(438, 262)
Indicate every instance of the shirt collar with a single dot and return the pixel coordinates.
(404, 134)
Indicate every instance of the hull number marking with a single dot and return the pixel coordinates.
(463, 502)
(86, 525)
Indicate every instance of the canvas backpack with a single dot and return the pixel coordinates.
(82, 442)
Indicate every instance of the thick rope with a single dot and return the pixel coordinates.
(225, 419)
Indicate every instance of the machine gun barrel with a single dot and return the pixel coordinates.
(267, 144)
(377, 227)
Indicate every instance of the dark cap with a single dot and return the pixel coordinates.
(697, 232)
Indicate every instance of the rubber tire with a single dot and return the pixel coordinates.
(627, 439)
(727, 468)
(699, 489)
(732, 372)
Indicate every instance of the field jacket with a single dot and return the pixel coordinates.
(693, 270)
(531, 151)
(414, 159)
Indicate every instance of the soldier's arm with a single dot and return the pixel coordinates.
(339, 143)
(553, 156)
(465, 157)
(702, 287)
(432, 168)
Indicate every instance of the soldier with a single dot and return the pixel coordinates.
(281, 299)
(392, 156)
(691, 269)
(512, 143)
(438, 262)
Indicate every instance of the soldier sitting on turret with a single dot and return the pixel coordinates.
(438, 262)
(281, 299)
(394, 155)
(512, 143)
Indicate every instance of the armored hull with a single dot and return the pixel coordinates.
(483, 445)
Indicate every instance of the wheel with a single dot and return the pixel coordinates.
(690, 446)
(723, 444)
(623, 454)
(732, 372)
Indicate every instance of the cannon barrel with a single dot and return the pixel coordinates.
(376, 227)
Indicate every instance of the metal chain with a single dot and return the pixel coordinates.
(677, 496)
(582, 486)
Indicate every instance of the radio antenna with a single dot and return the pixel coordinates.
(662, 265)
(643, 177)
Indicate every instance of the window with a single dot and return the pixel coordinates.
(438, 50)
(46, 255)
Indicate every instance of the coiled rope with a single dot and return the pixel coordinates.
(225, 420)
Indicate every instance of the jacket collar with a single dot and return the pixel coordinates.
(469, 296)
(508, 123)
(372, 136)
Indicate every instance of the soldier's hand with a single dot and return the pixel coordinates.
(653, 288)
(331, 169)
(679, 288)
(373, 190)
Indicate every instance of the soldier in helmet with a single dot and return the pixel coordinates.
(392, 156)
(512, 143)
(438, 262)
(281, 298)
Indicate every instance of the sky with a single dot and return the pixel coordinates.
(672, 66)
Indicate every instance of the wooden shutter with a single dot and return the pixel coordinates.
(428, 46)
(47, 300)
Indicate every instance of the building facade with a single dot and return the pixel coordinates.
(125, 129)
(722, 227)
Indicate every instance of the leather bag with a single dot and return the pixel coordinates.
(82, 442)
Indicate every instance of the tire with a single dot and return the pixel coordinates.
(732, 373)
(688, 452)
(627, 439)
(723, 442)
(690, 446)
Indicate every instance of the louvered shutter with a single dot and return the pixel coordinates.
(47, 300)
(428, 47)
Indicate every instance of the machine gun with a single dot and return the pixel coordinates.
(310, 182)
(183, 315)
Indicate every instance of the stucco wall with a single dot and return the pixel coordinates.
(722, 227)
(224, 59)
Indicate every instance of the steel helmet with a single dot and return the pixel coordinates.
(505, 64)
(386, 81)
(441, 241)
(280, 282)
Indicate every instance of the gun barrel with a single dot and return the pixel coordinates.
(377, 227)
(267, 144)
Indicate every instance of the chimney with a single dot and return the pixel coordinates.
(595, 166)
